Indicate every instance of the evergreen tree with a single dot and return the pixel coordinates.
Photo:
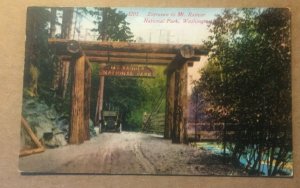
(247, 84)
(36, 49)
(111, 25)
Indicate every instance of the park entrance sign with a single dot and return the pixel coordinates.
(127, 70)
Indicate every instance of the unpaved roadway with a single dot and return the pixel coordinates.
(128, 153)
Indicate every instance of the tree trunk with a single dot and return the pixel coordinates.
(77, 127)
(52, 33)
(63, 72)
(67, 23)
(31, 53)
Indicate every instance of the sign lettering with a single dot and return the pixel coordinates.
(125, 70)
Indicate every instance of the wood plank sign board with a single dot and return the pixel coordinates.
(127, 70)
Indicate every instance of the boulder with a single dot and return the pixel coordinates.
(63, 124)
(40, 124)
(52, 140)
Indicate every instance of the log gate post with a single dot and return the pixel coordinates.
(87, 98)
(183, 102)
(176, 106)
(78, 131)
(170, 92)
(99, 106)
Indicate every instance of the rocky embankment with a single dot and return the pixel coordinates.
(50, 127)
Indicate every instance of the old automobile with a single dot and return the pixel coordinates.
(110, 122)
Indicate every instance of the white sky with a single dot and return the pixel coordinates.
(194, 74)
(172, 29)
(165, 31)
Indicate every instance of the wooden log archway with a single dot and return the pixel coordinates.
(176, 57)
(77, 130)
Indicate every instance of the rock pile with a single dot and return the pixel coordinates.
(43, 122)
(50, 127)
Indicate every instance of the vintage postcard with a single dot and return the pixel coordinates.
(157, 91)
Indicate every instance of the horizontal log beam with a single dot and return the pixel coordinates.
(131, 60)
(60, 46)
(143, 55)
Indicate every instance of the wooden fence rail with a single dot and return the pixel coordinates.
(155, 124)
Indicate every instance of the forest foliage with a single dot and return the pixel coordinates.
(247, 85)
(131, 96)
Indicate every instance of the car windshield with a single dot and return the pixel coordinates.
(110, 113)
(110, 118)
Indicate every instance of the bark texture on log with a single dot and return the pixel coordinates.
(77, 128)
(60, 45)
(105, 53)
(179, 131)
(31, 151)
(177, 114)
(169, 105)
(40, 148)
(99, 105)
(131, 60)
(26, 126)
(120, 60)
(64, 70)
(183, 101)
(87, 98)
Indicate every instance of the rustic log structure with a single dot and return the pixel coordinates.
(60, 46)
(176, 105)
(177, 58)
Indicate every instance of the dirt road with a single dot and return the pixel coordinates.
(128, 153)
